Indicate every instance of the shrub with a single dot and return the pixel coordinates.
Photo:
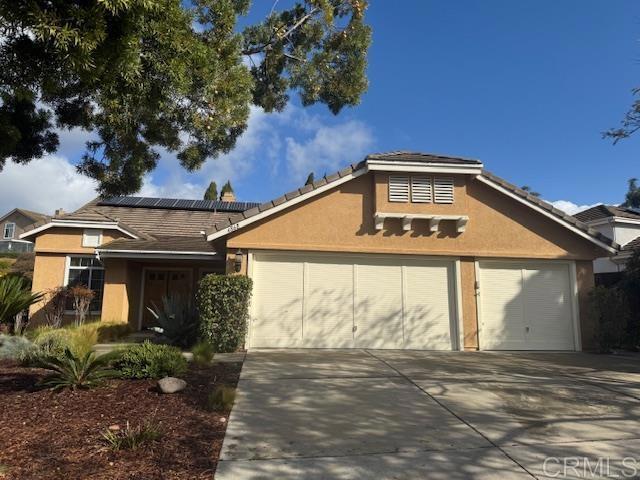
(82, 297)
(203, 353)
(178, 319)
(52, 342)
(73, 371)
(111, 331)
(54, 305)
(23, 266)
(15, 297)
(630, 285)
(131, 437)
(223, 305)
(150, 360)
(221, 399)
(609, 310)
(15, 347)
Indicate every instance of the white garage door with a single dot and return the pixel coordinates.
(346, 301)
(526, 306)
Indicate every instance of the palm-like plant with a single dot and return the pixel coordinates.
(15, 297)
(178, 319)
(74, 372)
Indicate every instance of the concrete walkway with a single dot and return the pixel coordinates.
(323, 414)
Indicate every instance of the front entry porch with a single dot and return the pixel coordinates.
(132, 284)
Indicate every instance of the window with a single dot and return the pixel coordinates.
(9, 230)
(420, 189)
(443, 189)
(398, 188)
(91, 238)
(87, 271)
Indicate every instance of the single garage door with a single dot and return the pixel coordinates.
(347, 301)
(526, 306)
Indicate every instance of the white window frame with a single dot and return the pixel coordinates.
(13, 231)
(68, 268)
(91, 232)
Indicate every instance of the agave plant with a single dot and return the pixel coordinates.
(178, 320)
(15, 297)
(74, 372)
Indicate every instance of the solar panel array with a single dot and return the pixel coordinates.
(177, 204)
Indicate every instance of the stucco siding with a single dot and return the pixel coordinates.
(69, 240)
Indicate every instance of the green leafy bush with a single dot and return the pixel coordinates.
(130, 437)
(203, 353)
(150, 360)
(223, 305)
(610, 312)
(112, 331)
(74, 372)
(178, 318)
(15, 347)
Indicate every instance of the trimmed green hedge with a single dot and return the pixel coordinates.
(223, 306)
(150, 360)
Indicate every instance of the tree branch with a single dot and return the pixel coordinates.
(298, 24)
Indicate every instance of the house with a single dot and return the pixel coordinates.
(620, 224)
(401, 250)
(12, 225)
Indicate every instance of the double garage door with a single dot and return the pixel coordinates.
(350, 301)
(342, 301)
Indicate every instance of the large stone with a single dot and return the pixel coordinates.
(171, 384)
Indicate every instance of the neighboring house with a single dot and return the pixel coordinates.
(401, 250)
(12, 225)
(620, 224)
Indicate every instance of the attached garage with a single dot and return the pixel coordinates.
(527, 306)
(353, 301)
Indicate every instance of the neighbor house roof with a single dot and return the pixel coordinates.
(632, 245)
(600, 212)
(235, 222)
(33, 216)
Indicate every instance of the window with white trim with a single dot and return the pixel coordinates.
(89, 272)
(420, 189)
(91, 237)
(398, 188)
(9, 230)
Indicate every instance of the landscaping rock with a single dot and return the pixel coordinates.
(171, 384)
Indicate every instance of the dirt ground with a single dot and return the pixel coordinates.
(46, 435)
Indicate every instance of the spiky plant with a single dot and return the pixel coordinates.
(15, 297)
(71, 371)
(178, 319)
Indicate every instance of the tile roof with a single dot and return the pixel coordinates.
(405, 156)
(605, 211)
(152, 222)
(632, 245)
(162, 243)
(33, 216)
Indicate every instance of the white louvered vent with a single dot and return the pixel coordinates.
(421, 190)
(443, 189)
(398, 188)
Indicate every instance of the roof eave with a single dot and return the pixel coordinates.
(58, 223)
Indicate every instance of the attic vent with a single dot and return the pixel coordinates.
(398, 188)
(443, 189)
(421, 190)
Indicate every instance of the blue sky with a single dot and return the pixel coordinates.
(527, 87)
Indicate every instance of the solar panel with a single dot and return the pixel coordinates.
(178, 204)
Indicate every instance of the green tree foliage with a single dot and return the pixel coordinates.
(226, 188)
(150, 74)
(211, 192)
(310, 179)
(630, 123)
(632, 198)
(630, 284)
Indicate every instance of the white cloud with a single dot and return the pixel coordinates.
(570, 207)
(44, 185)
(330, 148)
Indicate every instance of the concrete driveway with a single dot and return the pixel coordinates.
(365, 414)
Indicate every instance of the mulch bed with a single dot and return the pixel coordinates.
(45, 435)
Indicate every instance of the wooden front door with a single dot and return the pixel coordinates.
(162, 283)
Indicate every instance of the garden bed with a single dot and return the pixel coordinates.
(45, 435)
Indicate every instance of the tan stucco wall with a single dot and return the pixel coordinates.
(69, 240)
(115, 302)
(585, 282)
(48, 272)
(342, 220)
